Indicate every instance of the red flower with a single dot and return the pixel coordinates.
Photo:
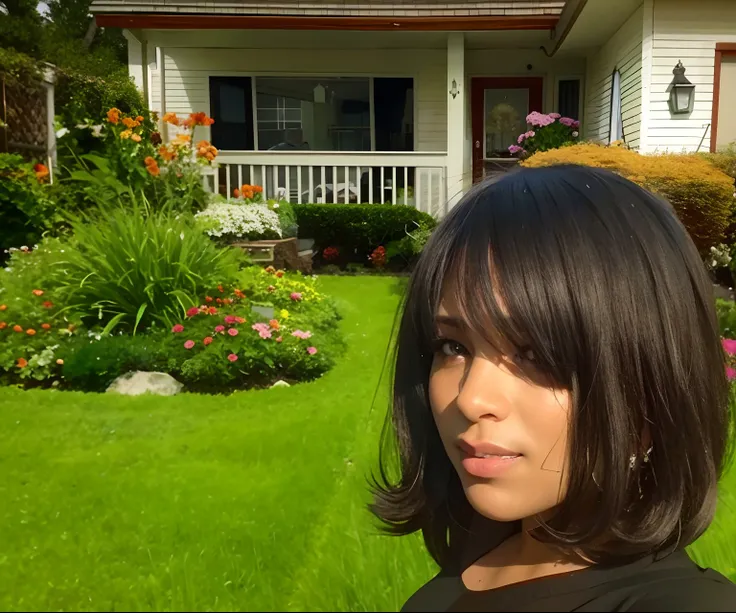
(222, 290)
(212, 310)
(219, 301)
(207, 340)
(48, 304)
(232, 357)
(233, 331)
(22, 363)
(238, 293)
(270, 270)
(177, 328)
(41, 172)
(193, 311)
(230, 319)
(208, 299)
(330, 254)
(219, 328)
(189, 344)
(279, 273)
(46, 326)
(240, 320)
(38, 292)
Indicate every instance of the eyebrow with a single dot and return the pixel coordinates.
(448, 320)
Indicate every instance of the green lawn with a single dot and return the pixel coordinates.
(254, 501)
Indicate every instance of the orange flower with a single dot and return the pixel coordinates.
(136, 138)
(227, 300)
(48, 304)
(167, 154)
(139, 119)
(200, 119)
(238, 293)
(274, 324)
(152, 166)
(46, 326)
(41, 171)
(248, 194)
(38, 292)
(171, 118)
(208, 298)
(126, 134)
(240, 320)
(130, 123)
(113, 115)
(22, 363)
(60, 362)
(279, 273)
(3, 307)
(183, 139)
(17, 328)
(236, 193)
(3, 325)
(31, 332)
(257, 189)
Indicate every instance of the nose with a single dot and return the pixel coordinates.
(485, 391)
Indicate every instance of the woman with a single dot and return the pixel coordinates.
(560, 403)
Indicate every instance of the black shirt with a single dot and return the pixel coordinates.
(672, 583)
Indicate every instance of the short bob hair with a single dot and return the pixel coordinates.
(603, 283)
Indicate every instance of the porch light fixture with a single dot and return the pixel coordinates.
(454, 91)
(682, 92)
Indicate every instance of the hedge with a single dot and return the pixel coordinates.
(357, 228)
(701, 194)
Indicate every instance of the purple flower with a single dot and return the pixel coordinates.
(729, 346)
(301, 334)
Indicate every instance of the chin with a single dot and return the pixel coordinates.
(498, 503)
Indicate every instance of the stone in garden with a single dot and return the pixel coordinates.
(140, 382)
(281, 383)
(266, 311)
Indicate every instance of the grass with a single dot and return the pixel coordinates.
(254, 501)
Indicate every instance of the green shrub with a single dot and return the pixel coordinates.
(132, 267)
(287, 218)
(92, 362)
(26, 211)
(701, 194)
(726, 310)
(357, 229)
(412, 245)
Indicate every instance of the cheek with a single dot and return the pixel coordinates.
(443, 389)
(546, 424)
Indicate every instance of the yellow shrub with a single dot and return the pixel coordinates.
(701, 194)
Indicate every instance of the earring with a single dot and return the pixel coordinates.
(647, 452)
(632, 461)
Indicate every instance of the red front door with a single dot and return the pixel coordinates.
(499, 106)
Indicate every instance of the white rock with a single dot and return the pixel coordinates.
(281, 383)
(140, 382)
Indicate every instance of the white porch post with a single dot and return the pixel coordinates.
(455, 116)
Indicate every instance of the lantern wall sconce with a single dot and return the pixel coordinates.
(682, 92)
(454, 91)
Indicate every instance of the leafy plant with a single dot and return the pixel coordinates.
(410, 246)
(726, 311)
(132, 268)
(701, 194)
(548, 132)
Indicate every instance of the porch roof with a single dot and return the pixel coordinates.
(337, 8)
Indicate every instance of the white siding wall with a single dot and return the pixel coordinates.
(188, 70)
(686, 30)
(622, 52)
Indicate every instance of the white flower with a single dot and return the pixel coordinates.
(97, 131)
(276, 205)
(575, 134)
(240, 220)
(62, 132)
(181, 236)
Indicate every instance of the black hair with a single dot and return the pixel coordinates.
(599, 278)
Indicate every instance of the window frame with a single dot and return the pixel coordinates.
(317, 75)
(581, 98)
(619, 116)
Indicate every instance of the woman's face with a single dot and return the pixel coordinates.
(503, 426)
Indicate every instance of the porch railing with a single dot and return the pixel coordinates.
(415, 179)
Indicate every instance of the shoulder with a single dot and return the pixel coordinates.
(438, 594)
(705, 591)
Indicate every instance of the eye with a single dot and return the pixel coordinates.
(449, 349)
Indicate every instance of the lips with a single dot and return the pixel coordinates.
(486, 460)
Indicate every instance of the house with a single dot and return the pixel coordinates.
(412, 101)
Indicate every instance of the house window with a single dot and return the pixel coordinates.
(231, 102)
(726, 134)
(616, 131)
(568, 98)
(313, 113)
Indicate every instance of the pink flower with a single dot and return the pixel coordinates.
(729, 346)
(570, 123)
(177, 328)
(555, 115)
(311, 350)
(514, 149)
(189, 344)
(264, 330)
(219, 329)
(192, 312)
(207, 340)
(730, 373)
(301, 334)
(230, 319)
(279, 339)
(523, 137)
(539, 119)
(233, 332)
(232, 357)
(296, 296)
